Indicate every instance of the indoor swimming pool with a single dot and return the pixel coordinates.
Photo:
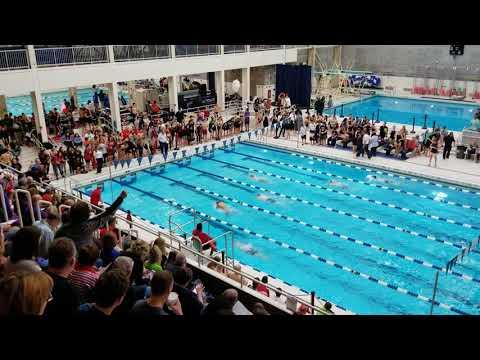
(454, 116)
(23, 104)
(368, 240)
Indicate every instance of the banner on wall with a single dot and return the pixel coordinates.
(128, 161)
(150, 157)
(122, 163)
(139, 159)
(115, 164)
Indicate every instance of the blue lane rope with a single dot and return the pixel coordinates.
(310, 170)
(358, 167)
(393, 206)
(315, 227)
(397, 228)
(301, 251)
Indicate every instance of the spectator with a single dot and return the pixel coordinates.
(155, 259)
(192, 302)
(85, 275)
(179, 263)
(108, 252)
(47, 228)
(262, 288)
(23, 251)
(96, 195)
(112, 227)
(61, 262)
(161, 244)
(204, 238)
(80, 228)
(109, 293)
(259, 309)
(25, 293)
(236, 276)
(447, 147)
(99, 159)
(223, 304)
(161, 285)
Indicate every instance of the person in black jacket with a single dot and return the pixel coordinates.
(80, 228)
(447, 145)
(192, 303)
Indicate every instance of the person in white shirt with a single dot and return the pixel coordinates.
(372, 145)
(303, 134)
(365, 142)
(288, 102)
(99, 159)
(163, 141)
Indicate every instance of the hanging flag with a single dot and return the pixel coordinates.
(128, 162)
(139, 159)
(150, 157)
(239, 138)
(205, 148)
(263, 130)
(174, 155)
(184, 152)
(249, 135)
(122, 162)
(196, 150)
(115, 164)
(231, 141)
(213, 146)
(224, 142)
(256, 132)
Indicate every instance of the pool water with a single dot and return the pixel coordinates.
(454, 116)
(331, 238)
(23, 104)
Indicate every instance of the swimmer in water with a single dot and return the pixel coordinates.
(263, 197)
(248, 249)
(379, 179)
(220, 205)
(337, 183)
(259, 179)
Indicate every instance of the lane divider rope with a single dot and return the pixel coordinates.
(327, 231)
(409, 193)
(344, 213)
(301, 251)
(378, 202)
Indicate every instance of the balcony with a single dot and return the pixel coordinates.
(64, 56)
(196, 50)
(13, 60)
(234, 49)
(265, 47)
(140, 52)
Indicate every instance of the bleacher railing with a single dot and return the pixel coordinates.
(234, 49)
(63, 56)
(140, 52)
(265, 47)
(196, 50)
(14, 60)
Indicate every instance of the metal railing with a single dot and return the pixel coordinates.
(140, 52)
(19, 208)
(265, 47)
(14, 59)
(234, 49)
(64, 56)
(196, 50)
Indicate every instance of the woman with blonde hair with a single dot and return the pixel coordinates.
(25, 293)
(160, 242)
(155, 259)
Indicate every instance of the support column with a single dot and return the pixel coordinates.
(73, 92)
(3, 106)
(245, 86)
(173, 92)
(38, 111)
(220, 89)
(114, 105)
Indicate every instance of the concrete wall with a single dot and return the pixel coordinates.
(263, 75)
(431, 61)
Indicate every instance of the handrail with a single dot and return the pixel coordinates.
(38, 207)
(19, 209)
(4, 204)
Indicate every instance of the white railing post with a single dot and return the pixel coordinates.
(111, 54)
(172, 52)
(32, 56)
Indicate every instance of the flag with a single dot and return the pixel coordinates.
(115, 164)
(174, 155)
(249, 135)
(139, 159)
(239, 138)
(213, 146)
(122, 162)
(150, 157)
(224, 142)
(184, 152)
(196, 150)
(128, 162)
(231, 141)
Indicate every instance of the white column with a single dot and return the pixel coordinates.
(37, 107)
(114, 105)
(111, 56)
(3, 106)
(37, 101)
(172, 51)
(220, 89)
(245, 85)
(173, 92)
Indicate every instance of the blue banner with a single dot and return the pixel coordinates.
(128, 161)
(174, 155)
(139, 159)
(150, 157)
(115, 164)
(122, 162)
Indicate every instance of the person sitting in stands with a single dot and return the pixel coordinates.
(262, 288)
(96, 196)
(61, 262)
(180, 262)
(108, 252)
(80, 228)
(259, 309)
(205, 239)
(85, 275)
(161, 285)
(109, 291)
(155, 259)
(192, 300)
(223, 304)
(23, 251)
(25, 293)
(112, 227)
(47, 228)
(154, 107)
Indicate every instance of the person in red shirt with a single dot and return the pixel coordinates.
(204, 238)
(47, 196)
(96, 196)
(111, 227)
(262, 288)
(154, 107)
